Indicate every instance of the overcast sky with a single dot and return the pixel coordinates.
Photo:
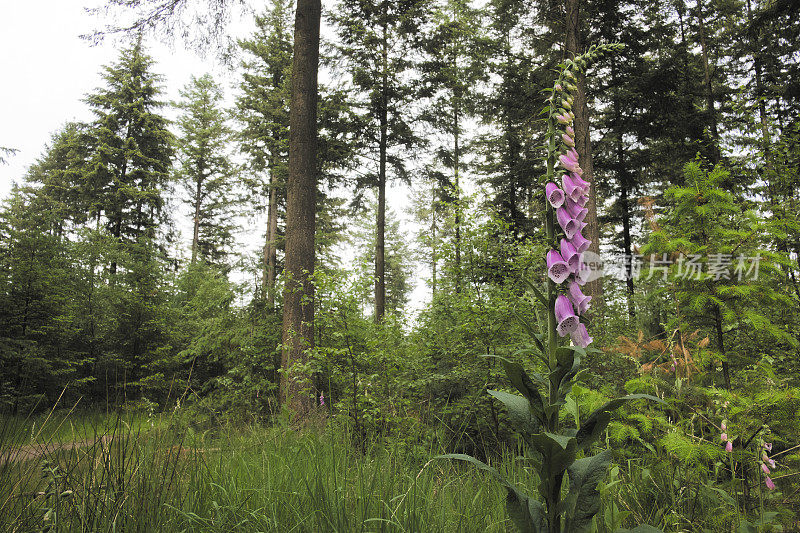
(47, 69)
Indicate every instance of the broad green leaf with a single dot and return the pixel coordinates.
(583, 500)
(522, 417)
(558, 452)
(526, 513)
(522, 382)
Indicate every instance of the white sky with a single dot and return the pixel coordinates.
(47, 70)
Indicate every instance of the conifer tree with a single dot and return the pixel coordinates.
(519, 67)
(129, 167)
(718, 270)
(37, 356)
(132, 149)
(263, 110)
(376, 37)
(205, 169)
(455, 54)
(60, 177)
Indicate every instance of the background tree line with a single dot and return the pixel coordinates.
(100, 297)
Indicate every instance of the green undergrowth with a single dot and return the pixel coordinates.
(172, 477)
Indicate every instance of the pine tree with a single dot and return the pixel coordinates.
(39, 354)
(132, 149)
(206, 171)
(519, 66)
(127, 172)
(720, 276)
(263, 110)
(455, 54)
(376, 38)
(60, 175)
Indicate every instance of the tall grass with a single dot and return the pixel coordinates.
(163, 476)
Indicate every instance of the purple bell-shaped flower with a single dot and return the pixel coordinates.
(557, 269)
(565, 317)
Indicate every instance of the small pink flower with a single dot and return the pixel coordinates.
(322, 399)
(768, 446)
(724, 437)
(722, 426)
(729, 446)
(769, 482)
(765, 468)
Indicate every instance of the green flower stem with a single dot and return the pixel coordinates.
(552, 492)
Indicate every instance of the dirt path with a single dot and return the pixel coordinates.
(36, 451)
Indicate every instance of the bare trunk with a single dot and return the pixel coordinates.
(301, 197)
(583, 145)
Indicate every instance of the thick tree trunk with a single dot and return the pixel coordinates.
(583, 145)
(380, 249)
(301, 197)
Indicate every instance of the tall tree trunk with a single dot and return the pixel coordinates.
(772, 178)
(583, 145)
(624, 189)
(457, 194)
(726, 374)
(711, 109)
(270, 249)
(196, 233)
(380, 250)
(301, 198)
(434, 249)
